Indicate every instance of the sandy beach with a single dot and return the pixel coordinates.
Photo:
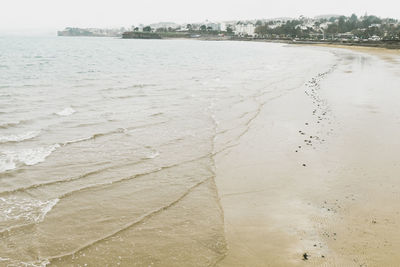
(314, 180)
(222, 158)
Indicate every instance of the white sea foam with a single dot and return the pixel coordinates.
(16, 263)
(66, 111)
(9, 159)
(19, 137)
(35, 155)
(78, 140)
(10, 124)
(40, 263)
(22, 211)
(6, 163)
(153, 155)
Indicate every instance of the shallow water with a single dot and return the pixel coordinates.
(107, 145)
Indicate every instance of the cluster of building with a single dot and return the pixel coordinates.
(238, 28)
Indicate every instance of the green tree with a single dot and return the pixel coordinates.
(369, 20)
(332, 19)
(332, 29)
(147, 29)
(261, 30)
(342, 24)
(352, 22)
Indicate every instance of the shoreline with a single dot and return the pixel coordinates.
(390, 45)
(377, 45)
(351, 44)
(395, 47)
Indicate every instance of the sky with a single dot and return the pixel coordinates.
(49, 15)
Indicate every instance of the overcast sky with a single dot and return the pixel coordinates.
(57, 14)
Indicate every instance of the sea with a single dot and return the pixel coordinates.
(107, 145)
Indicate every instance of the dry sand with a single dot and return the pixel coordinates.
(315, 180)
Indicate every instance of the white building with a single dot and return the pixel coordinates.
(222, 27)
(302, 27)
(211, 25)
(245, 29)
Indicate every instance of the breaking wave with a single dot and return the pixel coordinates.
(24, 210)
(7, 125)
(66, 112)
(15, 263)
(10, 159)
(18, 137)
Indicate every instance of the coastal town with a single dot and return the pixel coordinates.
(366, 28)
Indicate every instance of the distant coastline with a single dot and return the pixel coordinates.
(90, 32)
(365, 31)
(386, 44)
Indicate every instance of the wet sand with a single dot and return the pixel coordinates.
(314, 181)
(365, 49)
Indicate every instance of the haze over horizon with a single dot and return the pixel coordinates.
(47, 15)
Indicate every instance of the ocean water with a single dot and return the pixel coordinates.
(107, 145)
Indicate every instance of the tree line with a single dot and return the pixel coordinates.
(361, 27)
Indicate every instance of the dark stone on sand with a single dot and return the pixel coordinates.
(305, 256)
(304, 165)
